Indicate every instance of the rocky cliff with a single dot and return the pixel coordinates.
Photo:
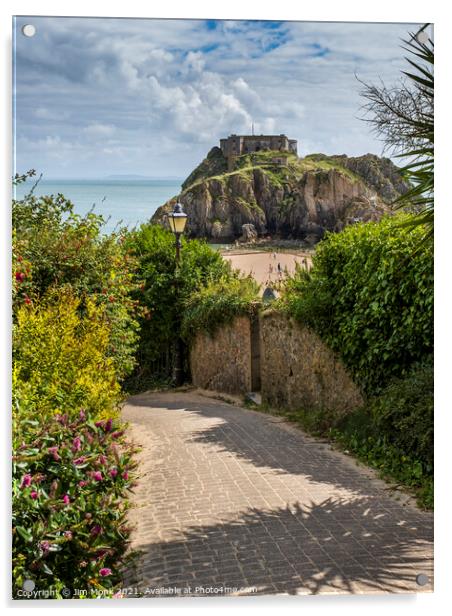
(280, 194)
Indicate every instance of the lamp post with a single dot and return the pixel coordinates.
(177, 221)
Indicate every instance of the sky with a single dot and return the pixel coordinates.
(99, 97)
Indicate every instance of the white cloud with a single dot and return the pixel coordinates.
(157, 94)
(99, 130)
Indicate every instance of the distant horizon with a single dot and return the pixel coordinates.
(173, 178)
(125, 177)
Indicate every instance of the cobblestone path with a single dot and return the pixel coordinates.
(231, 501)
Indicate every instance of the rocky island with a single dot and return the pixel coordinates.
(242, 191)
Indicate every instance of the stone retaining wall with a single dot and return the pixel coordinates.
(222, 362)
(299, 371)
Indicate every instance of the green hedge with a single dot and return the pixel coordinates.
(163, 294)
(218, 303)
(53, 247)
(394, 433)
(369, 295)
(74, 337)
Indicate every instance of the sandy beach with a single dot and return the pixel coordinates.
(263, 266)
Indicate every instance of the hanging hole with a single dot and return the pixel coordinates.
(422, 37)
(28, 30)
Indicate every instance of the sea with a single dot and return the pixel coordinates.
(122, 202)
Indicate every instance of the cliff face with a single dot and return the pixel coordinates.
(293, 198)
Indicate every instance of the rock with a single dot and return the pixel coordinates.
(249, 233)
(301, 200)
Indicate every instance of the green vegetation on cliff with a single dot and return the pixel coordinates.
(286, 196)
(213, 165)
(281, 167)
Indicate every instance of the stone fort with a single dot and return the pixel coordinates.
(236, 145)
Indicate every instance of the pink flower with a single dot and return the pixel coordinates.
(80, 460)
(26, 481)
(125, 475)
(34, 495)
(54, 452)
(97, 476)
(68, 535)
(105, 571)
(82, 414)
(102, 460)
(96, 530)
(66, 500)
(113, 473)
(108, 425)
(117, 434)
(82, 483)
(99, 424)
(45, 546)
(76, 444)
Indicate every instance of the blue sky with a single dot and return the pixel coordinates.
(117, 96)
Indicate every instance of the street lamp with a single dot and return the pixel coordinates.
(177, 221)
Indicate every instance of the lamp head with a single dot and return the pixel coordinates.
(177, 219)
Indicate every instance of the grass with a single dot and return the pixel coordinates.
(279, 175)
(249, 205)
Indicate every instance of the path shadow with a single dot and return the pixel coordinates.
(332, 547)
(258, 439)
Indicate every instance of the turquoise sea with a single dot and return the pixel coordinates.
(126, 202)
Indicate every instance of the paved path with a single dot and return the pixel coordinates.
(229, 500)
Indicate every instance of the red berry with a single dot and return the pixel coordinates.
(20, 276)
(111, 298)
(27, 300)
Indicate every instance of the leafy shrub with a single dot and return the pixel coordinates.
(60, 357)
(70, 481)
(164, 290)
(404, 412)
(370, 296)
(219, 302)
(53, 247)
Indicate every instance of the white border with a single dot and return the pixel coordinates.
(435, 11)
